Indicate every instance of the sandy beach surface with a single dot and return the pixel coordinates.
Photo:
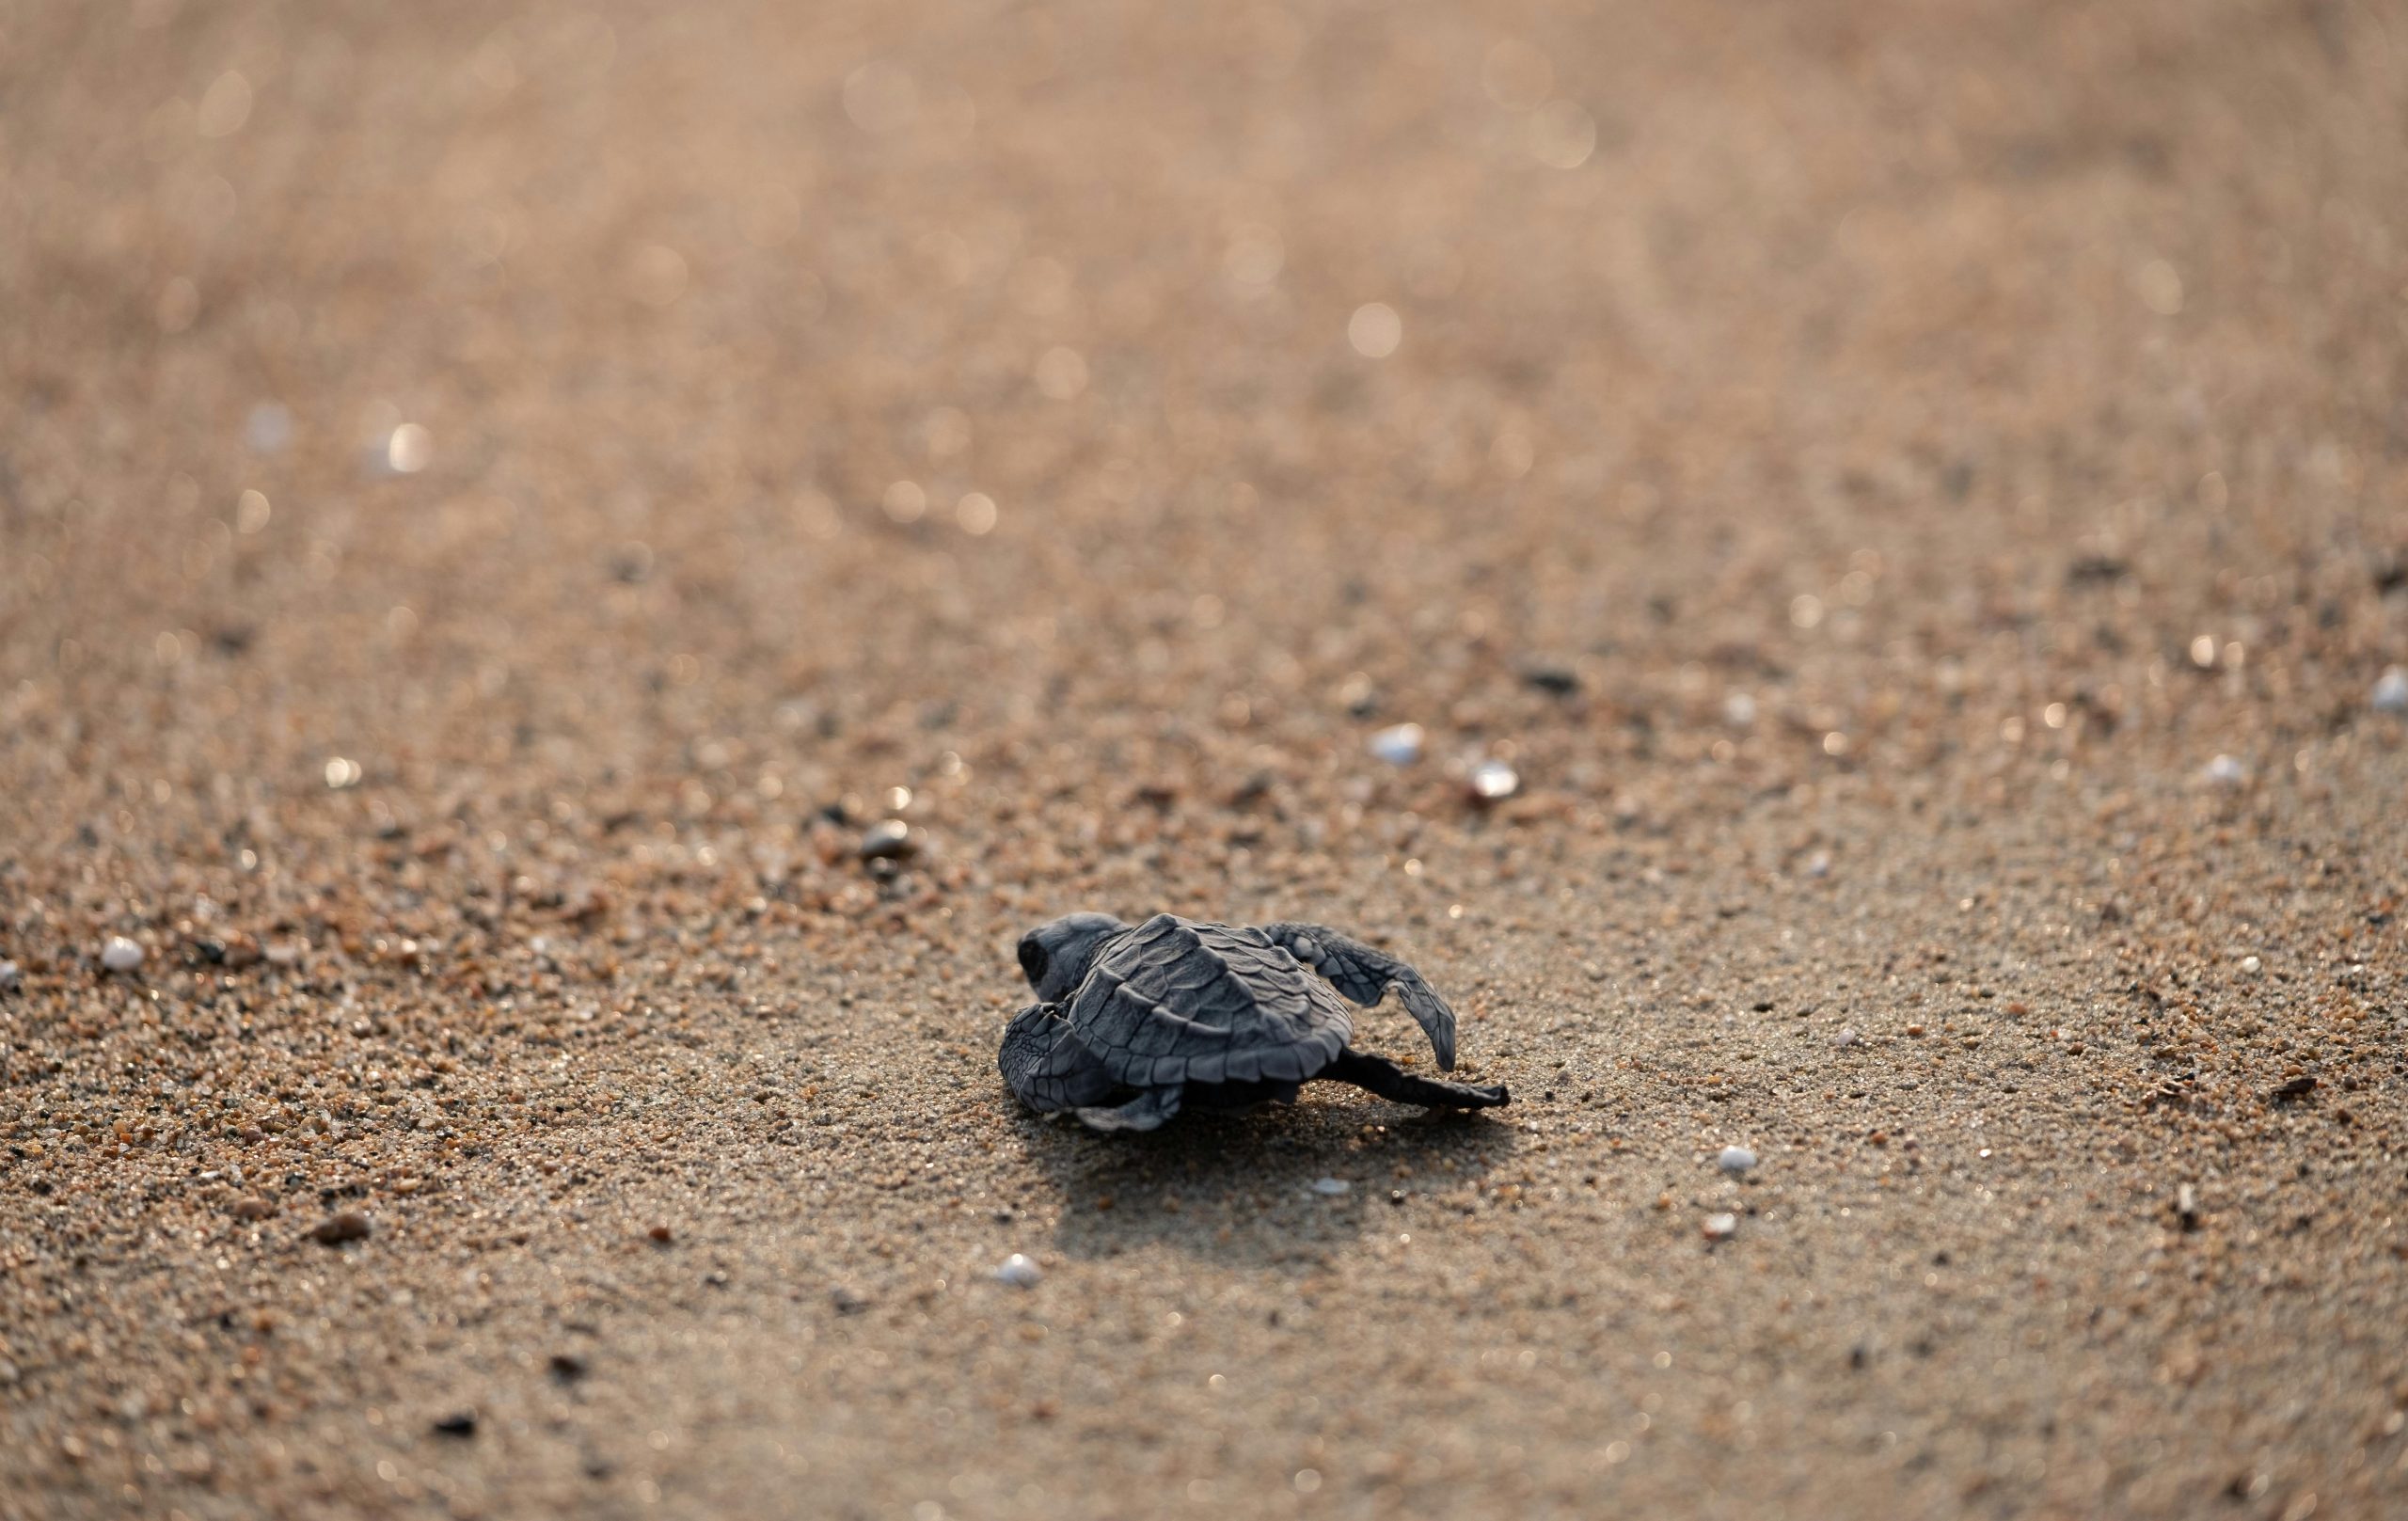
(499, 506)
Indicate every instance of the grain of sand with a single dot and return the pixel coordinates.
(495, 503)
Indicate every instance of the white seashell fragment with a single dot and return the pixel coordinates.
(1019, 1271)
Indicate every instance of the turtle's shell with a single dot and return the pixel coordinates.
(1180, 1002)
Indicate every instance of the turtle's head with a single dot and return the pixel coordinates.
(1055, 956)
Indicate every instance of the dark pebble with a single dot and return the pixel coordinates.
(464, 1424)
(1560, 681)
(348, 1225)
(890, 840)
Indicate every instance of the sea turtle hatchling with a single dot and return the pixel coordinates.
(1204, 1016)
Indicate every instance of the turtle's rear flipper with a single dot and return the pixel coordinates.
(1364, 974)
(1389, 1081)
(1145, 1112)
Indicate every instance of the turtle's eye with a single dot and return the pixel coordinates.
(1033, 959)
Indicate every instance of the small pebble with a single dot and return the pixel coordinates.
(847, 1301)
(1556, 680)
(661, 1234)
(889, 840)
(461, 1424)
(1494, 782)
(1019, 1272)
(350, 1225)
(406, 451)
(1739, 710)
(1332, 1187)
(1399, 744)
(1735, 1159)
(9, 977)
(120, 953)
(1844, 1039)
(2225, 771)
(2391, 692)
(567, 1367)
(1721, 1226)
(252, 1209)
(2252, 965)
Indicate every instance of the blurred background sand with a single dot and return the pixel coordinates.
(498, 504)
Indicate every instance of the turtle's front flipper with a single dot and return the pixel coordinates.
(1145, 1112)
(1364, 973)
(1043, 1063)
(1389, 1081)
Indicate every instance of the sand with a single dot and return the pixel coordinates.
(494, 510)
